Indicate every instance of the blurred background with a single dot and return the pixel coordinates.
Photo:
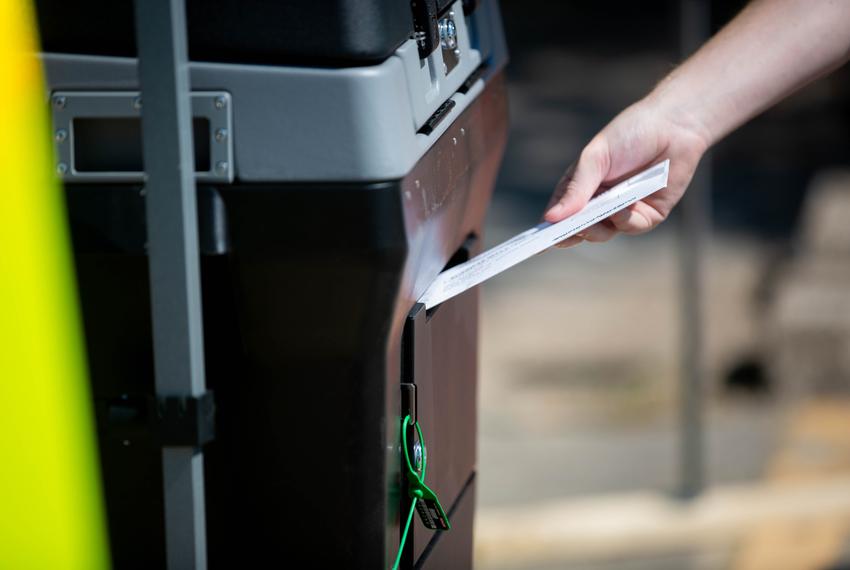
(581, 416)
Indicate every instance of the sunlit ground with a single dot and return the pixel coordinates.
(578, 456)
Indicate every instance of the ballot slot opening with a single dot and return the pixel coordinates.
(461, 255)
(435, 361)
(418, 317)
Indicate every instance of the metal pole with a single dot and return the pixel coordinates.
(173, 259)
(694, 218)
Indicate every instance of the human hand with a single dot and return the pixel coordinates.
(637, 138)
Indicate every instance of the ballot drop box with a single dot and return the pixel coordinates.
(345, 154)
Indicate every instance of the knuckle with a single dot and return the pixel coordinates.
(594, 153)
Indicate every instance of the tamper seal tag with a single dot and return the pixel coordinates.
(427, 504)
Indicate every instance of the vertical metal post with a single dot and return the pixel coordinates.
(173, 259)
(694, 218)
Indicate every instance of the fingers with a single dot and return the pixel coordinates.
(577, 189)
(638, 218)
(560, 188)
(603, 231)
(597, 233)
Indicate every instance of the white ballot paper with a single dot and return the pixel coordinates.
(482, 267)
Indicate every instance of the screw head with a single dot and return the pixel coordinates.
(454, 140)
(220, 103)
(137, 103)
(60, 135)
(221, 167)
(462, 132)
(448, 32)
(417, 456)
(61, 168)
(59, 102)
(220, 135)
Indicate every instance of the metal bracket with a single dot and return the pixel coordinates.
(117, 115)
(185, 420)
(408, 400)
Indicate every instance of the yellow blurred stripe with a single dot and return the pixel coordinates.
(51, 510)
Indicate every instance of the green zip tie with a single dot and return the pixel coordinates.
(423, 498)
(430, 510)
(404, 534)
(413, 503)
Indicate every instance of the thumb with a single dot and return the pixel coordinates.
(576, 190)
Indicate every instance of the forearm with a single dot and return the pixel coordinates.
(771, 49)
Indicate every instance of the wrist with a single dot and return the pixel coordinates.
(683, 111)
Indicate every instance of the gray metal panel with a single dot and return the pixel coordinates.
(306, 124)
(170, 202)
(174, 268)
(89, 72)
(185, 510)
(309, 124)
